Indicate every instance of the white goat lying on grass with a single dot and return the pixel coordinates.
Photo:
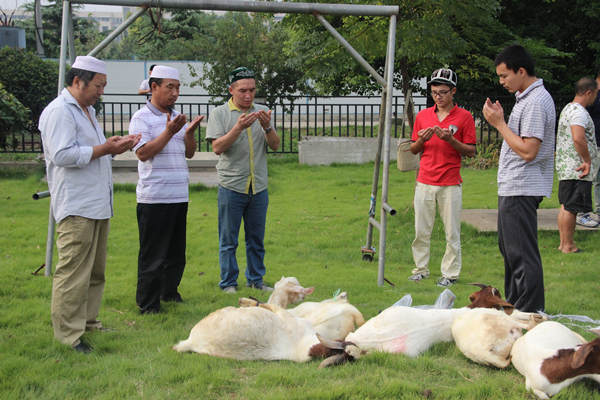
(551, 357)
(332, 318)
(486, 336)
(407, 330)
(268, 331)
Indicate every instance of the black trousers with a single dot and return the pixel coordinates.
(517, 239)
(161, 260)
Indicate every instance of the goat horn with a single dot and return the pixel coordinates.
(336, 359)
(480, 285)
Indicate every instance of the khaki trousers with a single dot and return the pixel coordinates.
(449, 203)
(78, 281)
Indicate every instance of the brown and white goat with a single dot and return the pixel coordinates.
(551, 357)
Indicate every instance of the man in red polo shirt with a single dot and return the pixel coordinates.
(442, 134)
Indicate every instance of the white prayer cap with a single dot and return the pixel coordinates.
(164, 72)
(90, 63)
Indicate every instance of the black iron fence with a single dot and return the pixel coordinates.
(349, 116)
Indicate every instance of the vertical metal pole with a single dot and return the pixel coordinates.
(71, 35)
(367, 255)
(389, 69)
(61, 83)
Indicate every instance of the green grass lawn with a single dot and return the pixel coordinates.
(316, 226)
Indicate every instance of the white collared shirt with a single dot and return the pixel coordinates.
(163, 178)
(78, 185)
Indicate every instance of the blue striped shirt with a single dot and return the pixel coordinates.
(533, 115)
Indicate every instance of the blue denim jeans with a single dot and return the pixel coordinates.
(252, 208)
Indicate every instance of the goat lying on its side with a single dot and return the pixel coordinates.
(332, 318)
(551, 357)
(408, 330)
(486, 336)
(265, 332)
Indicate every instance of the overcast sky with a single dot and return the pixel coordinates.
(11, 4)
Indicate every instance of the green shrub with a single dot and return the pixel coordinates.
(14, 116)
(486, 156)
(29, 78)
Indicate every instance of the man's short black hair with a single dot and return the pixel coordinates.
(82, 74)
(157, 80)
(516, 57)
(584, 84)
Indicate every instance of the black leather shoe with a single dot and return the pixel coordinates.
(83, 347)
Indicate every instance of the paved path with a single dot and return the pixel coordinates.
(486, 220)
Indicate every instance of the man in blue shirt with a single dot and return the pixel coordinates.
(79, 171)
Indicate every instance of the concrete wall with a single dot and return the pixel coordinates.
(320, 150)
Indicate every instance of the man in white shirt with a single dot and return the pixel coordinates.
(162, 190)
(576, 161)
(145, 85)
(79, 171)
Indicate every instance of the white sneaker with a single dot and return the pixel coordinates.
(594, 216)
(587, 221)
(230, 289)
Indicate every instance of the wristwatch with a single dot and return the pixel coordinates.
(269, 129)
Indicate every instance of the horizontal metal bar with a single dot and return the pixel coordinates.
(41, 195)
(256, 6)
(375, 223)
(117, 31)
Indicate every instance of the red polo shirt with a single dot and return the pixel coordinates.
(440, 163)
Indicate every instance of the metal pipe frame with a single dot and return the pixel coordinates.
(389, 71)
(117, 31)
(71, 36)
(62, 67)
(257, 6)
(271, 7)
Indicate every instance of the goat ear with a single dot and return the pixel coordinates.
(308, 290)
(581, 355)
(331, 344)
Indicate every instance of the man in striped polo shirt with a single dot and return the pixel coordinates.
(240, 132)
(162, 190)
(525, 174)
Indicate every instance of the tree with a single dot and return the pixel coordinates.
(166, 34)
(255, 41)
(85, 30)
(571, 27)
(461, 34)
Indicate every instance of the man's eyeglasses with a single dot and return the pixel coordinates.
(440, 93)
